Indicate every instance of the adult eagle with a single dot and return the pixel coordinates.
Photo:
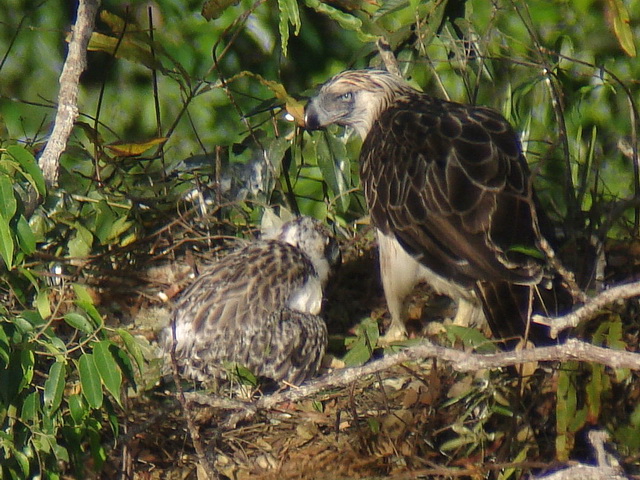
(450, 194)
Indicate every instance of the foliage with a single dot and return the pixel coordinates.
(203, 117)
(57, 358)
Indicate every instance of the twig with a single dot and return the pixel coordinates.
(590, 309)
(387, 56)
(67, 112)
(568, 276)
(459, 360)
(607, 468)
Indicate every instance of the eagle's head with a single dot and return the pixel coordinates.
(315, 240)
(354, 98)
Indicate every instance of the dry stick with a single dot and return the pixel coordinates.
(574, 289)
(389, 60)
(607, 468)
(67, 112)
(459, 360)
(590, 309)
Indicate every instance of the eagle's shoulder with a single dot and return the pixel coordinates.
(450, 179)
(420, 121)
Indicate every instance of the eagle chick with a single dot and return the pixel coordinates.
(258, 307)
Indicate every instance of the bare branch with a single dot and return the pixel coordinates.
(388, 58)
(68, 96)
(585, 472)
(570, 279)
(590, 309)
(459, 360)
(608, 468)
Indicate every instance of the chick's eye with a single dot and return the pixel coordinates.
(346, 96)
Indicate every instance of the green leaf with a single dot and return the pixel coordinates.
(334, 164)
(455, 444)
(128, 149)
(289, 14)
(85, 302)
(595, 389)
(80, 244)
(90, 380)
(30, 407)
(5, 350)
(361, 348)
(54, 387)
(22, 460)
(391, 6)
(61, 453)
(345, 20)
(33, 317)
(132, 346)
(77, 408)
(6, 243)
(358, 354)
(471, 337)
(98, 452)
(8, 203)
(374, 425)
(119, 226)
(56, 346)
(127, 48)
(103, 221)
(27, 361)
(124, 361)
(108, 368)
(42, 303)
(621, 26)
(529, 251)
(82, 294)
(32, 171)
(241, 374)
(26, 238)
(79, 321)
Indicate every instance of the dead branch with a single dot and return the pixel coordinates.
(387, 56)
(557, 266)
(459, 360)
(607, 468)
(584, 472)
(590, 309)
(67, 112)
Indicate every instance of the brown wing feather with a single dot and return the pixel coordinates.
(237, 311)
(244, 287)
(450, 182)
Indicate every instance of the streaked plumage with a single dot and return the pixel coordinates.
(258, 307)
(449, 192)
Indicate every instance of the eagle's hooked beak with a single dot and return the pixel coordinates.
(315, 118)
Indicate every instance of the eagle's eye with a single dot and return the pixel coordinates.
(346, 96)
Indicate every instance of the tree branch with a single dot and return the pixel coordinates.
(590, 309)
(459, 360)
(67, 112)
(607, 468)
